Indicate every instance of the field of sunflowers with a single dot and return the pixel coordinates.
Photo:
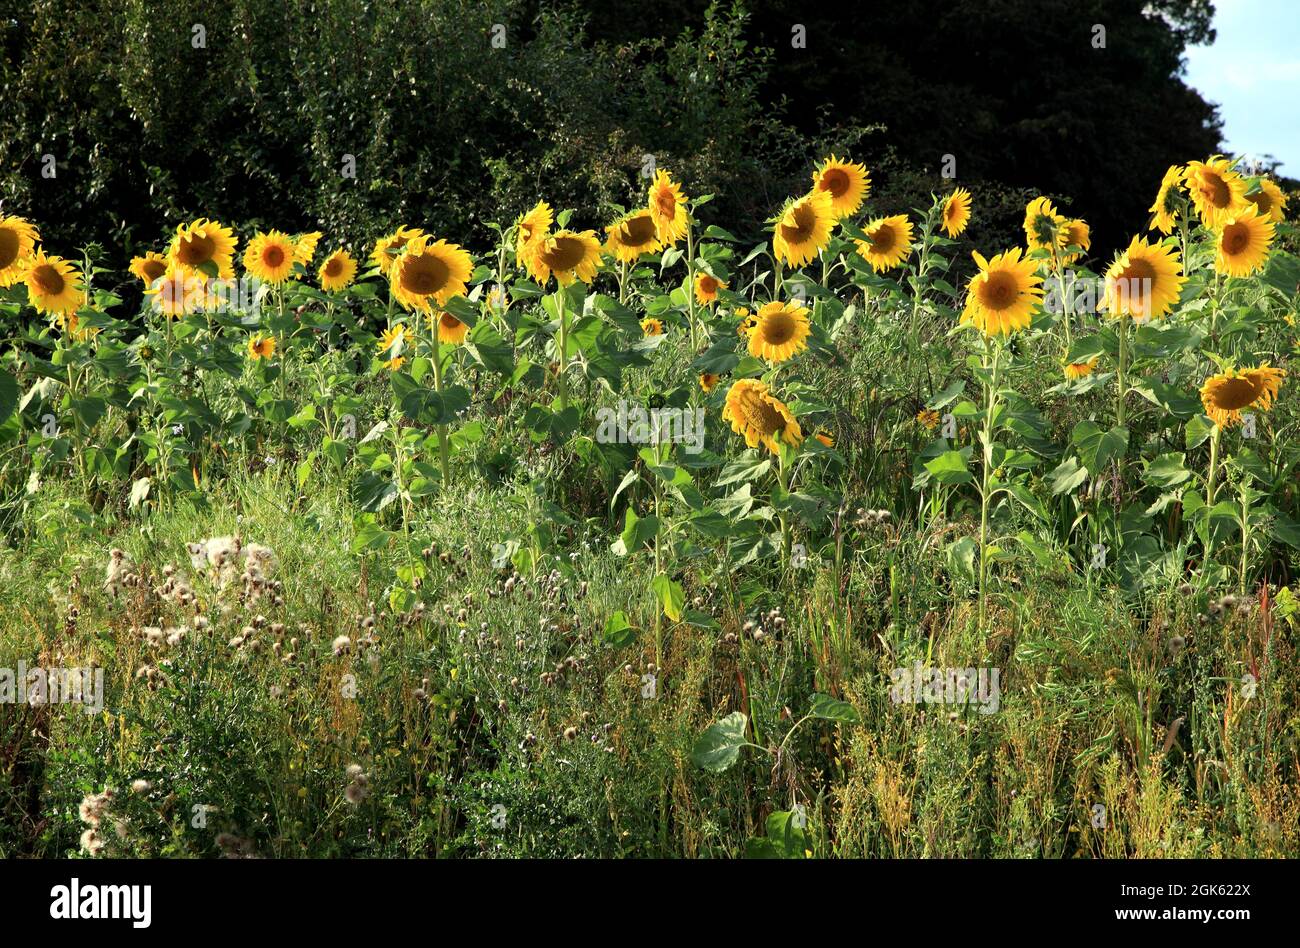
(649, 541)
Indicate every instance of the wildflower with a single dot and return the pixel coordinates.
(1003, 295)
(1225, 395)
(760, 416)
(652, 327)
(1144, 282)
(955, 214)
(927, 419)
(149, 267)
(337, 272)
(568, 256)
(1269, 200)
(18, 240)
(888, 243)
(848, 185)
(1165, 209)
(261, 347)
(1078, 370)
(1043, 225)
(1215, 189)
(204, 248)
(1241, 242)
(780, 331)
(270, 257)
(803, 228)
(52, 286)
(429, 271)
(632, 235)
(706, 288)
(667, 205)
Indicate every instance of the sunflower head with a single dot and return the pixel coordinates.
(1215, 188)
(261, 347)
(927, 419)
(1227, 394)
(178, 292)
(888, 243)
(388, 249)
(52, 284)
(847, 184)
(531, 231)
(780, 331)
(1269, 200)
(204, 247)
(1076, 233)
(270, 257)
(149, 267)
(1003, 295)
(337, 272)
(1144, 282)
(429, 271)
(652, 327)
(825, 438)
(632, 235)
(667, 206)
(955, 214)
(304, 247)
(18, 240)
(760, 416)
(392, 345)
(1044, 227)
(568, 256)
(1168, 204)
(1078, 370)
(803, 228)
(747, 322)
(1242, 241)
(450, 329)
(709, 380)
(706, 288)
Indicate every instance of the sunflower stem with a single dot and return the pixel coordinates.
(990, 401)
(564, 348)
(1210, 487)
(443, 453)
(690, 275)
(1121, 377)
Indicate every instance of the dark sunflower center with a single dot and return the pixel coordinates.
(1235, 239)
(835, 181)
(424, 275)
(798, 224)
(637, 231)
(999, 290)
(1135, 283)
(778, 328)
(195, 250)
(883, 239)
(273, 256)
(1217, 190)
(708, 284)
(153, 269)
(666, 203)
(449, 322)
(1262, 201)
(49, 280)
(564, 253)
(760, 415)
(8, 247)
(1232, 394)
(333, 267)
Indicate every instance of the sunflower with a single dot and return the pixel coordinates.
(1225, 395)
(390, 345)
(780, 330)
(803, 228)
(668, 208)
(652, 327)
(204, 246)
(261, 347)
(825, 438)
(568, 255)
(927, 419)
(956, 212)
(451, 330)
(388, 249)
(632, 235)
(1270, 200)
(337, 272)
(531, 232)
(706, 288)
(498, 300)
(149, 267)
(760, 416)
(1076, 233)
(1216, 189)
(52, 286)
(747, 322)
(429, 271)
(1166, 206)
(1043, 225)
(709, 380)
(1242, 241)
(888, 243)
(270, 257)
(1144, 282)
(178, 292)
(848, 185)
(18, 239)
(1002, 296)
(304, 247)
(1078, 370)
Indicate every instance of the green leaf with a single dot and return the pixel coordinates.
(1166, 471)
(617, 630)
(832, 709)
(8, 395)
(670, 595)
(719, 746)
(1096, 447)
(949, 468)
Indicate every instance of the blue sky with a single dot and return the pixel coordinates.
(1252, 72)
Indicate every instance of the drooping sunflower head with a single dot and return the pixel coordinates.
(450, 329)
(53, 285)
(531, 231)
(760, 416)
(1226, 395)
(568, 255)
(178, 292)
(204, 247)
(1078, 370)
(1076, 233)
(1144, 282)
(1215, 188)
(1166, 208)
(1002, 297)
(632, 235)
(709, 380)
(1269, 200)
(337, 272)
(847, 183)
(706, 288)
(388, 249)
(429, 270)
(956, 212)
(1242, 242)
(667, 206)
(270, 257)
(888, 243)
(803, 228)
(261, 347)
(652, 327)
(780, 331)
(149, 267)
(1043, 225)
(304, 247)
(18, 240)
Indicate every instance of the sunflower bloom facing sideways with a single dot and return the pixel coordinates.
(760, 416)
(1226, 395)
(149, 267)
(568, 256)
(261, 347)
(1166, 209)
(1044, 227)
(1242, 241)
(747, 322)
(847, 183)
(18, 240)
(1078, 370)
(1216, 190)
(888, 243)
(1076, 233)
(337, 272)
(1269, 200)
(1002, 296)
(52, 285)
(270, 257)
(388, 249)
(178, 292)
(1144, 282)
(706, 288)
(652, 327)
(667, 206)
(392, 343)
(632, 235)
(204, 247)
(531, 232)
(955, 214)
(803, 228)
(780, 331)
(304, 247)
(709, 380)
(451, 330)
(429, 270)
